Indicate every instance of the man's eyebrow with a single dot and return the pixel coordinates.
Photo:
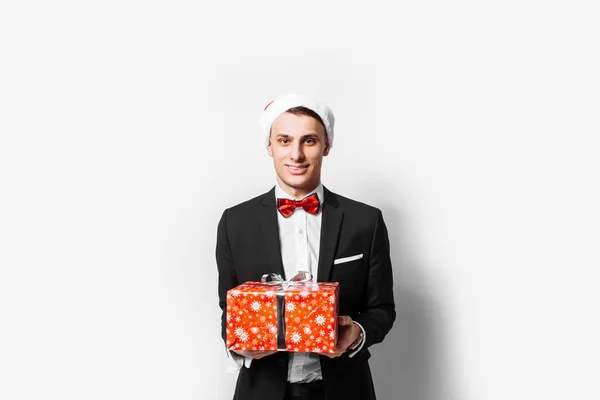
(306, 135)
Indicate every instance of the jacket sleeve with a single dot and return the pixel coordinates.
(378, 312)
(227, 276)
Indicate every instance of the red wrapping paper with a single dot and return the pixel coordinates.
(308, 317)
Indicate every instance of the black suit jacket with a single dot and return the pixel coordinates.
(248, 247)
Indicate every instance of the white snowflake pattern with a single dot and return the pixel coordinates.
(290, 306)
(316, 349)
(241, 334)
(305, 293)
(332, 299)
(332, 335)
(297, 319)
(320, 319)
(235, 293)
(262, 318)
(322, 332)
(272, 328)
(303, 305)
(296, 338)
(254, 330)
(255, 306)
(228, 317)
(318, 340)
(237, 319)
(307, 330)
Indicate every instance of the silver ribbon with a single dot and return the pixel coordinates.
(299, 279)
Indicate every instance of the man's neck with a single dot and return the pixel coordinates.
(296, 193)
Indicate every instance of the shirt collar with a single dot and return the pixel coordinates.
(280, 193)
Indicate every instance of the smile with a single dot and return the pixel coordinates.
(297, 168)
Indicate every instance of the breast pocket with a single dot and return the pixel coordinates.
(348, 266)
(347, 259)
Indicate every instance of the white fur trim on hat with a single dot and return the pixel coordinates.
(281, 104)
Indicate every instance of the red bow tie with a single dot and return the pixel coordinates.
(287, 207)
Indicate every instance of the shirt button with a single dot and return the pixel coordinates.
(301, 231)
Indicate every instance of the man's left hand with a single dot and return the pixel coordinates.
(348, 332)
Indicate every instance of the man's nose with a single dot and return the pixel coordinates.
(297, 153)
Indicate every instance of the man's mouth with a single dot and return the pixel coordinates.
(297, 168)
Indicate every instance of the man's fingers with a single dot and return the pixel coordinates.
(332, 355)
(344, 320)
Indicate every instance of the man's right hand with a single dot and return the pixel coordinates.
(254, 354)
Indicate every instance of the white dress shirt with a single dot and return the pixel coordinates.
(299, 237)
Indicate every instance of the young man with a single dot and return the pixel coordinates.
(334, 238)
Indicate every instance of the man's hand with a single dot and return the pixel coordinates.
(254, 354)
(348, 332)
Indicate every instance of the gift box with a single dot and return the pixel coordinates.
(296, 316)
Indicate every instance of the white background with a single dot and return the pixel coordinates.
(127, 127)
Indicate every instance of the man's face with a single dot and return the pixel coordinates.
(297, 145)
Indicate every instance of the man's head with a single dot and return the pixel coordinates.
(298, 139)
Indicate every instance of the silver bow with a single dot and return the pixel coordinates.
(299, 279)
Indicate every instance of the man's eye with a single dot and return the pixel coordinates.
(310, 141)
(283, 141)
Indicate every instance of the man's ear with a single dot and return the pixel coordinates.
(327, 147)
(269, 148)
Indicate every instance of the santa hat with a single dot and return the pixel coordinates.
(281, 104)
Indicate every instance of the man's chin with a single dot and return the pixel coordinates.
(297, 182)
(303, 186)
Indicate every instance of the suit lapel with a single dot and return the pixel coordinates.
(270, 231)
(330, 231)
